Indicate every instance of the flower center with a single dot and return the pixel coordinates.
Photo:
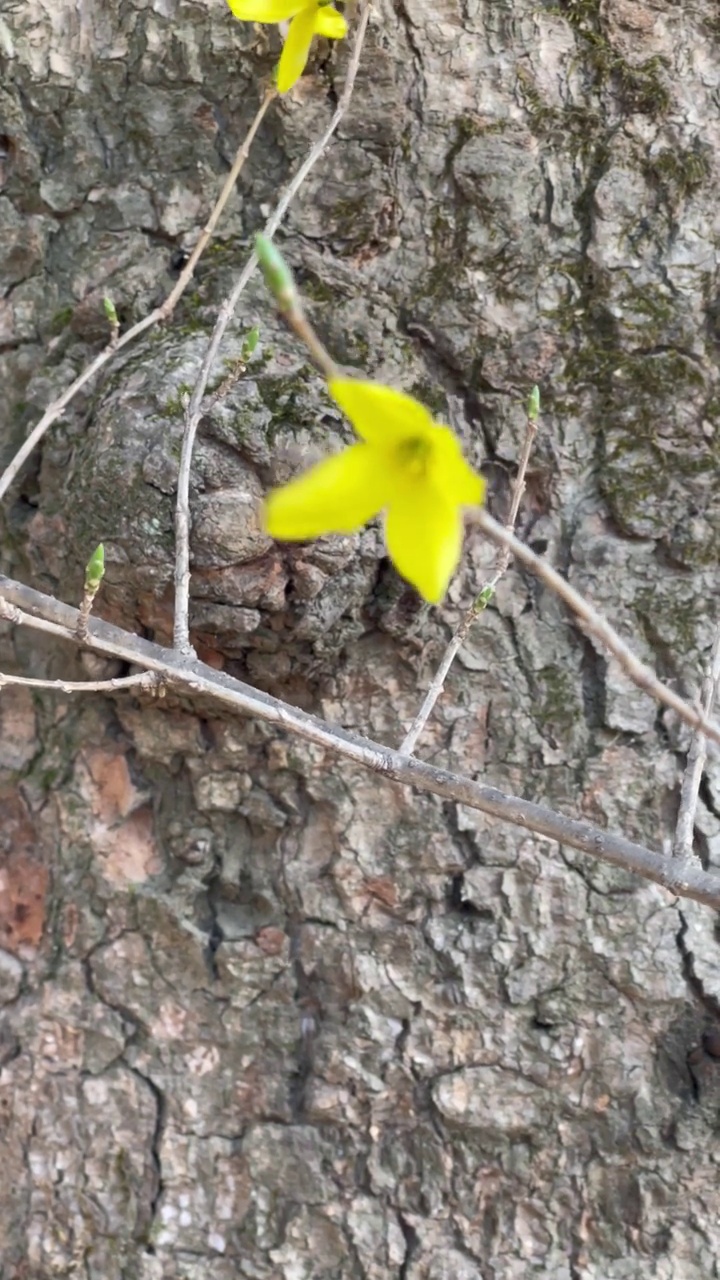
(414, 456)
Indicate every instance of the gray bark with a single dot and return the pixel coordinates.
(263, 1014)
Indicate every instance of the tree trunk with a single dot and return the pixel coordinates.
(263, 1014)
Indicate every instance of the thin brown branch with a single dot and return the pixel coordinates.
(117, 340)
(85, 610)
(54, 410)
(297, 320)
(234, 374)
(30, 608)
(685, 828)
(479, 604)
(186, 275)
(141, 680)
(594, 624)
(193, 413)
(505, 555)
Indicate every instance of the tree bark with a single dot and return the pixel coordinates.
(261, 1013)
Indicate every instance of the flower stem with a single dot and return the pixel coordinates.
(280, 282)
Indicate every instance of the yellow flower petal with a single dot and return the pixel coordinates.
(266, 10)
(386, 418)
(381, 415)
(330, 23)
(424, 540)
(296, 49)
(450, 474)
(338, 495)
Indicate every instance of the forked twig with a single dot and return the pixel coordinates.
(193, 677)
(594, 624)
(117, 340)
(179, 667)
(685, 828)
(54, 410)
(193, 412)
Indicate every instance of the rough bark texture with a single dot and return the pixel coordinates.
(263, 1015)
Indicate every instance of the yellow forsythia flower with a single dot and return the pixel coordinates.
(309, 18)
(407, 466)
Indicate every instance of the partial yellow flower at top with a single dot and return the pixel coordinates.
(405, 465)
(309, 18)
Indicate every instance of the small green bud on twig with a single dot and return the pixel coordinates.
(250, 342)
(112, 318)
(95, 568)
(279, 281)
(482, 601)
(533, 407)
(236, 368)
(110, 312)
(94, 572)
(278, 276)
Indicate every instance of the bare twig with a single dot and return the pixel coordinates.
(481, 601)
(85, 611)
(302, 328)
(170, 302)
(505, 555)
(437, 684)
(594, 624)
(234, 374)
(193, 413)
(118, 341)
(54, 410)
(141, 680)
(684, 831)
(30, 608)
